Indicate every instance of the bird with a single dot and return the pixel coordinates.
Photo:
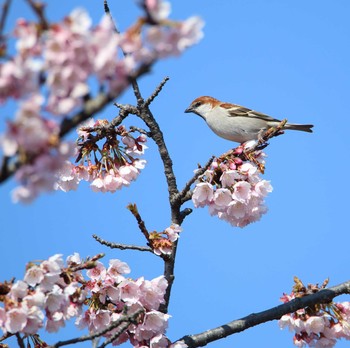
(235, 122)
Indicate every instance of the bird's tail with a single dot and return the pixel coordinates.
(299, 127)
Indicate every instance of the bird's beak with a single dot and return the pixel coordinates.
(188, 110)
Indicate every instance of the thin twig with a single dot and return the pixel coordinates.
(38, 8)
(121, 246)
(109, 14)
(134, 211)
(4, 13)
(140, 130)
(150, 99)
(182, 197)
(20, 340)
(122, 327)
(157, 135)
(235, 326)
(131, 318)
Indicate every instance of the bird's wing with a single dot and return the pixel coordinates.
(237, 110)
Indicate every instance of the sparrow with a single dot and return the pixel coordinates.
(237, 123)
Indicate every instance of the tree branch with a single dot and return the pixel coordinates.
(38, 8)
(134, 211)
(183, 195)
(150, 99)
(121, 246)
(235, 326)
(145, 114)
(4, 14)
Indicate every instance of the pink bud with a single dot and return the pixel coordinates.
(232, 166)
(238, 150)
(238, 161)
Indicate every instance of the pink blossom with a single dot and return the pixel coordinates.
(314, 325)
(128, 172)
(241, 191)
(222, 197)
(203, 193)
(237, 210)
(248, 168)
(36, 299)
(16, 320)
(28, 43)
(129, 291)
(152, 292)
(79, 21)
(174, 40)
(18, 78)
(2, 317)
(68, 178)
(230, 177)
(113, 182)
(30, 132)
(173, 232)
(100, 319)
(55, 299)
(263, 188)
(140, 163)
(34, 275)
(116, 269)
(98, 272)
(74, 259)
(157, 9)
(98, 185)
(18, 290)
(35, 320)
(155, 323)
(159, 341)
(55, 322)
(129, 141)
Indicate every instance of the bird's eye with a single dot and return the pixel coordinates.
(197, 104)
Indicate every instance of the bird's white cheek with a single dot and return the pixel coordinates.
(204, 110)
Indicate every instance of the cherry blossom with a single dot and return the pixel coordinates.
(157, 9)
(318, 326)
(234, 195)
(109, 168)
(52, 293)
(162, 242)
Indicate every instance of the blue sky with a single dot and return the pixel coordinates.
(287, 59)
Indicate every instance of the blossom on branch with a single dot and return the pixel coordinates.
(233, 190)
(162, 242)
(108, 167)
(60, 291)
(54, 65)
(318, 326)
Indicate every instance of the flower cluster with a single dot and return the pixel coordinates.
(109, 167)
(71, 51)
(162, 242)
(317, 326)
(35, 140)
(61, 292)
(51, 74)
(233, 189)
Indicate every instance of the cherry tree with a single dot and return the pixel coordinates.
(51, 76)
